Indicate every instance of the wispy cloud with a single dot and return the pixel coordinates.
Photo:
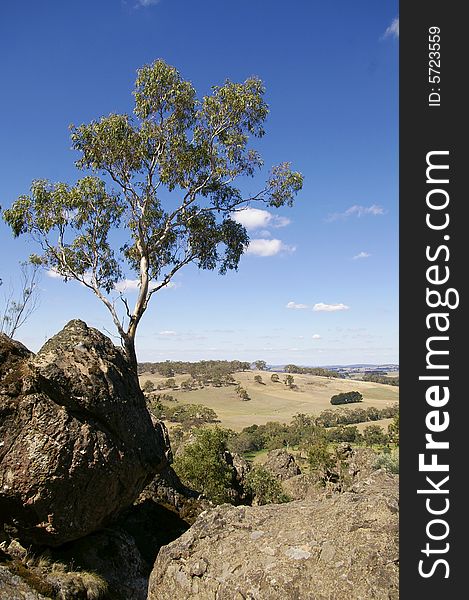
(316, 336)
(167, 333)
(255, 218)
(357, 211)
(263, 247)
(145, 3)
(361, 255)
(130, 285)
(321, 307)
(296, 306)
(392, 30)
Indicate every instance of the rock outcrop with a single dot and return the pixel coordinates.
(77, 444)
(166, 489)
(281, 464)
(340, 547)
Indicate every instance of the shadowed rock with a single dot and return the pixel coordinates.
(77, 444)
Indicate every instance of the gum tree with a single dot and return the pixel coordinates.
(168, 178)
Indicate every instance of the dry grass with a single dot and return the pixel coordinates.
(54, 579)
(274, 401)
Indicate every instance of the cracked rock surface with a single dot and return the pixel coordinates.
(77, 444)
(341, 546)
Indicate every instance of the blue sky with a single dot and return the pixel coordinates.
(319, 284)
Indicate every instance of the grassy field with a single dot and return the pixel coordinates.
(274, 401)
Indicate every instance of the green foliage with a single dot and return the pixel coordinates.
(320, 457)
(187, 384)
(264, 487)
(148, 386)
(346, 398)
(374, 435)
(203, 370)
(393, 430)
(189, 415)
(319, 371)
(349, 416)
(344, 434)
(170, 383)
(274, 378)
(377, 378)
(260, 365)
(242, 393)
(197, 149)
(258, 379)
(288, 380)
(201, 464)
(388, 461)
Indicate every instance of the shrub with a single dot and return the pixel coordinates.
(388, 461)
(374, 435)
(344, 434)
(201, 464)
(393, 431)
(274, 378)
(258, 379)
(264, 487)
(148, 386)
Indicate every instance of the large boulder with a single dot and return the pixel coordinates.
(281, 464)
(343, 546)
(77, 444)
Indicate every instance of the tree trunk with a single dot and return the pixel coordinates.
(129, 349)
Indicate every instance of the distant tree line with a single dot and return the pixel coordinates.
(201, 368)
(377, 378)
(311, 371)
(188, 415)
(333, 426)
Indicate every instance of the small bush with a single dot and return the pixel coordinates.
(148, 386)
(201, 465)
(265, 487)
(388, 461)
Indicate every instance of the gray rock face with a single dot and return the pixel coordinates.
(77, 443)
(341, 547)
(281, 464)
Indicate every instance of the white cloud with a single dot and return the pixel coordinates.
(129, 285)
(321, 307)
(361, 255)
(316, 336)
(358, 211)
(167, 333)
(392, 30)
(146, 3)
(263, 247)
(255, 218)
(296, 306)
(54, 274)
